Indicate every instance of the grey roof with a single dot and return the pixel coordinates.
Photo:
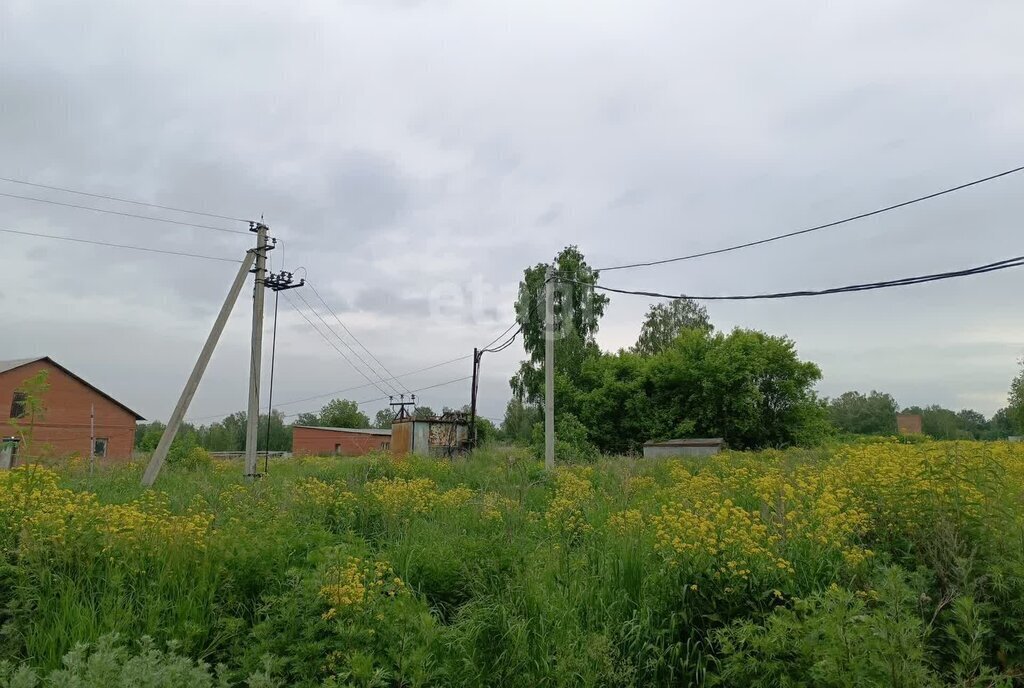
(691, 442)
(19, 362)
(362, 431)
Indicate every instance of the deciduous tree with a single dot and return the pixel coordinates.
(864, 414)
(666, 321)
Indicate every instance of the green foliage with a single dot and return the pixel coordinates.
(681, 379)
(517, 427)
(423, 412)
(835, 638)
(578, 309)
(109, 664)
(745, 386)
(486, 430)
(33, 391)
(860, 414)
(491, 571)
(186, 453)
(1015, 403)
(572, 444)
(664, 322)
(384, 640)
(336, 413)
(944, 424)
(343, 413)
(147, 435)
(999, 427)
(383, 419)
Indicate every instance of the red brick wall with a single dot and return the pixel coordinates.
(65, 427)
(909, 424)
(320, 442)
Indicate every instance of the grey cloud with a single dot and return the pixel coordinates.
(395, 146)
(550, 216)
(390, 302)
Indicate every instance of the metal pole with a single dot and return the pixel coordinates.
(549, 368)
(92, 437)
(270, 395)
(160, 455)
(256, 352)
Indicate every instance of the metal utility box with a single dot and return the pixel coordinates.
(8, 452)
(443, 436)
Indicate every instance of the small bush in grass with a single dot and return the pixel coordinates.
(109, 663)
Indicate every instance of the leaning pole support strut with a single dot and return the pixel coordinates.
(174, 423)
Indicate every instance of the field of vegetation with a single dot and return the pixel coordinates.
(871, 563)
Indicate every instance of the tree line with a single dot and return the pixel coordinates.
(875, 414)
(682, 378)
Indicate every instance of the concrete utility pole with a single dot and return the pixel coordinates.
(549, 368)
(160, 455)
(256, 354)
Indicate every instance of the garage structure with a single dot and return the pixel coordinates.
(71, 406)
(310, 440)
(708, 446)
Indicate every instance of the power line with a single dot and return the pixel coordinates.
(868, 286)
(356, 340)
(815, 229)
(351, 350)
(113, 245)
(507, 330)
(415, 391)
(346, 389)
(122, 214)
(123, 200)
(421, 389)
(504, 345)
(331, 343)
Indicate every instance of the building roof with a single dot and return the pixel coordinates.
(693, 442)
(6, 366)
(360, 431)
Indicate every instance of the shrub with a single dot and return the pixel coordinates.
(108, 663)
(571, 441)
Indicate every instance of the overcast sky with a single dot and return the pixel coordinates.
(410, 154)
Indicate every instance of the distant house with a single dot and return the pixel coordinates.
(909, 424)
(683, 447)
(72, 408)
(310, 440)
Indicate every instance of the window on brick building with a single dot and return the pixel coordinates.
(99, 447)
(18, 405)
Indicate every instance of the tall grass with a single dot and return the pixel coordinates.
(489, 571)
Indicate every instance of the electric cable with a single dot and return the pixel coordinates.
(122, 200)
(331, 343)
(114, 245)
(827, 225)
(356, 340)
(867, 286)
(123, 214)
(348, 346)
(341, 391)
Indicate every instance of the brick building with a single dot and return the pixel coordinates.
(310, 440)
(64, 427)
(909, 423)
